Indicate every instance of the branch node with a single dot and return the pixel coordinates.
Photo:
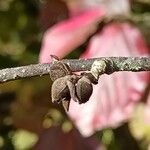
(98, 68)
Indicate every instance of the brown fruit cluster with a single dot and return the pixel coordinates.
(67, 85)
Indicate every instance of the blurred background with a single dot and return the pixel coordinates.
(28, 119)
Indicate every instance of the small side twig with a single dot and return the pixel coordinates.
(113, 64)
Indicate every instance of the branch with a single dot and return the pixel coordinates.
(113, 64)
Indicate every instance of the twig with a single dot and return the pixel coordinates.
(114, 64)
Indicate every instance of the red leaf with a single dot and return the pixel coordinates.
(55, 139)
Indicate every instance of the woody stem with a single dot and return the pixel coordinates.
(113, 64)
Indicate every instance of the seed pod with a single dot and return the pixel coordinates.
(63, 89)
(84, 89)
(66, 104)
(90, 76)
(60, 90)
(58, 69)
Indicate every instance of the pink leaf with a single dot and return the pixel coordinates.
(147, 109)
(114, 98)
(64, 37)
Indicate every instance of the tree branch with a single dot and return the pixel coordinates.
(113, 64)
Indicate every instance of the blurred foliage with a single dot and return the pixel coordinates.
(25, 105)
(19, 32)
(141, 16)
